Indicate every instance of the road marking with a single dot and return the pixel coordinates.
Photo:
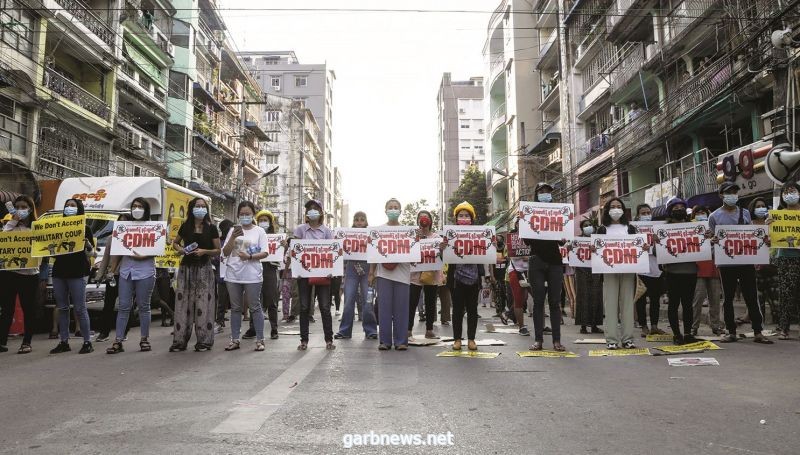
(249, 416)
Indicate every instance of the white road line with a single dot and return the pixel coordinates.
(249, 416)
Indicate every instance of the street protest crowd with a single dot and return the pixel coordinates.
(606, 270)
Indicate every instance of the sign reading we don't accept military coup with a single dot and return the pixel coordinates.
(56, 236)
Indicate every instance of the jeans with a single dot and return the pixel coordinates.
(108, 317)
(465, 297)
(618, 292)
(143, 289)
(654, 290)
(323, 294)
(430, 305)
(71, 290)
(250, 292)
(680, 288)
(707, 288)
(745, 276)
(269, 297)
(26, 287)
(393, 313)
(355, 290)
(553, 274)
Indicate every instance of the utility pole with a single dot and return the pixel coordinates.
(242, 142)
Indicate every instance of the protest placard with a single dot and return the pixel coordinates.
(316, 258)
(170, 259)
(431, 256)
(469, 245)
(276, 250)
(516, 246)
(392, 244)
(15, 251)
(546, 221)
(648, 228)
(354, 242)
(580, 252)
(620, 254)
(784, 231)
(57, 236)
(143, 238)
(740, 245)
(682, 242)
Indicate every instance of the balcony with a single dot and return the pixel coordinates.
(683, 17)
(76, 94)
(624, 16)
(160, 39)
(546, 14)
(81, 12)
(498, 118)
(496, 67)
(497, 16)
(138, 141)
(548, 52)
(629, 65)
(550, 98)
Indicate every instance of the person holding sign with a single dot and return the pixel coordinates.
(652, 281)
(269, 288)
(732, 275)
(788, 262)
(356, 288)
(707, 285)
(22, 283)
(424, 282)
(244, 248)
(314, 229)
(767, 281)
(70, 272)
(681, 282)
(137, 274)
(197, 241)
(393, 286)
(589, 305)
(545, 266)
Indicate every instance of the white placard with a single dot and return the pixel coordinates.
(469, 245)
(544, 221)
(682, 242)
(431, 256)
(144, 238)
(580, 253)
(354, 242)
(392, 244)
(620, 254)
(276, 252)
(741, 245)
(649, 229)
(316, 258)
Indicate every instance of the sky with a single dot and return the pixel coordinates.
(388, 66)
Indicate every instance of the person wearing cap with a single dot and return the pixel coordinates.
(788, 262)
(545, 266)
(707, 286)
(744, 276)
(681, 282)
(269, 289)
(314, 228)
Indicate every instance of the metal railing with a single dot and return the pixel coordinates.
(629, 65)
(76, 94)
(83, 13)
(683, 16)
(498, 117)
(617, 11)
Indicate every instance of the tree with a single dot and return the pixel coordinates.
(473, 190)
(410, 211)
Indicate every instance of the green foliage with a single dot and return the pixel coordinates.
(473, 190)
(410, 211)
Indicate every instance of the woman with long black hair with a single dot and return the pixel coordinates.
(681, 282)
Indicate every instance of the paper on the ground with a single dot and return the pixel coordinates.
(289, 332)
(690, 347)
(659, 338)
(692, 361)
(710, 338)
(566, 354)
(491, 328)
(618, 352)
(423, 342)
(471, 354)
(590, 341)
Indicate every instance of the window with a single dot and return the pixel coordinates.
(13, 126)
(180, 34)
(17, 27)
(465, 124)
(176, 137)
(300, 81)
(275, 81)
(273, 116)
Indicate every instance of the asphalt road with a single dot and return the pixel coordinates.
(283, 401)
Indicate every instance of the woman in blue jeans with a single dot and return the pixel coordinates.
(356, 283)
(70, 272)
(137, 274)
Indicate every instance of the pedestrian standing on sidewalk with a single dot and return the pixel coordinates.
(589, 307)
(314, 228)
(424, 282)
(194, 292)
(245, 247)
(269, 290)
(108, 273)
(618, 288)
(70, 273)
(732, 275)
(356, 287)
(767, 281)
(707, 285)
(545, 266)
(137, 275)
(223, 300)
(392, 282)
(654, 283)
(465, 284)
(681, 282)
(788, 262)
(20, 283)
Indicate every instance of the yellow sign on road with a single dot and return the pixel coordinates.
(618, 352)
(15, 251)
(470, 354)
(58, 236)
(547, 354)
(784, 231)
(706, 345)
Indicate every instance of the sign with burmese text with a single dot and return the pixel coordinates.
(516, 246)
(620, 254)
(143, 238)
(741, 245)
(546, 221)
(431, 256)
(392, 244)
(354, 242)
(580, 252)
(275, 248)
(469, 245)
(648, 228)
(682, 242)
(316, 258)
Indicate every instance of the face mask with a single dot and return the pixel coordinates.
(761, 212)
(393, 214)
(313, 215)
(245, 220)
(424, 221)
(70, 211)
(22, 214)
(264, 225)
(199, 212)
(588, 230)
(679, 214)
(701, 218)
(137, 214)
(646, 218)
(615, 214)
(545, 197)
(464, 221)
(730, 199)
(791, 198)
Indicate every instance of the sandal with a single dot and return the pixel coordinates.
(115, 348)
(761, 339)
(232, 346)
(330, 346)
(537, 346)
(144, 346)
(24, 349)
(303, 346)
(504, 318)
(260, 346)
(558, 347)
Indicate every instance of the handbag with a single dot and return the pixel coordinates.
(319, 281)
(641, 289)
(428, 278)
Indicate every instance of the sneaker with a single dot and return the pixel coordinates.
(217, 328)
(339, 336)
(372, 336)
(86, 348)
(729, 338)
(678, 340)
(612, 346)
(249, 335)
(524, 332)
(101, 337)
(200, 347)
(688, 339)
(62, 347)
(628, 345)
(311, 319)
(273, 335)
(760, 338)
(3, 348)
(291, 319)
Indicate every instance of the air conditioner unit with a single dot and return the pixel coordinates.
(462, 111)
(277, 88)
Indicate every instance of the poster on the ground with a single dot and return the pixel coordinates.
(15, 251)
(354, 242)
(431, 256)
(142, 238)
(546, 221)
(516, 246)
(580, 252)
(392, 244)
(692, 362)
(784, 231)
(57, 236)
(620, 254)
(276, 249)
(740, 245)
(316, 258)
(469, 245)
(682, 242)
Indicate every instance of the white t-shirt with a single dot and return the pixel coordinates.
(401, 273)
(617, 229)
(238, 271)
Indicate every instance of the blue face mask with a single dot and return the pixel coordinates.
(393, 214)
(545, 197)
(200, 212)
(246, 220)
(22, 214)
(313, 215)
(70, 211)
(761, 212)
(645, 217)
(730, 199)
(701, 218)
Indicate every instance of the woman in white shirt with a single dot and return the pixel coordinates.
(245, 246)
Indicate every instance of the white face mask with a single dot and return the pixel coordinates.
(137, 214)
(730, 199)
(545, 197)
(791, 198)
(23, 213)
(264, 225)
(588, 230)
(70, 211)
(615, 214)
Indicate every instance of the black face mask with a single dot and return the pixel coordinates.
(679, 214)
